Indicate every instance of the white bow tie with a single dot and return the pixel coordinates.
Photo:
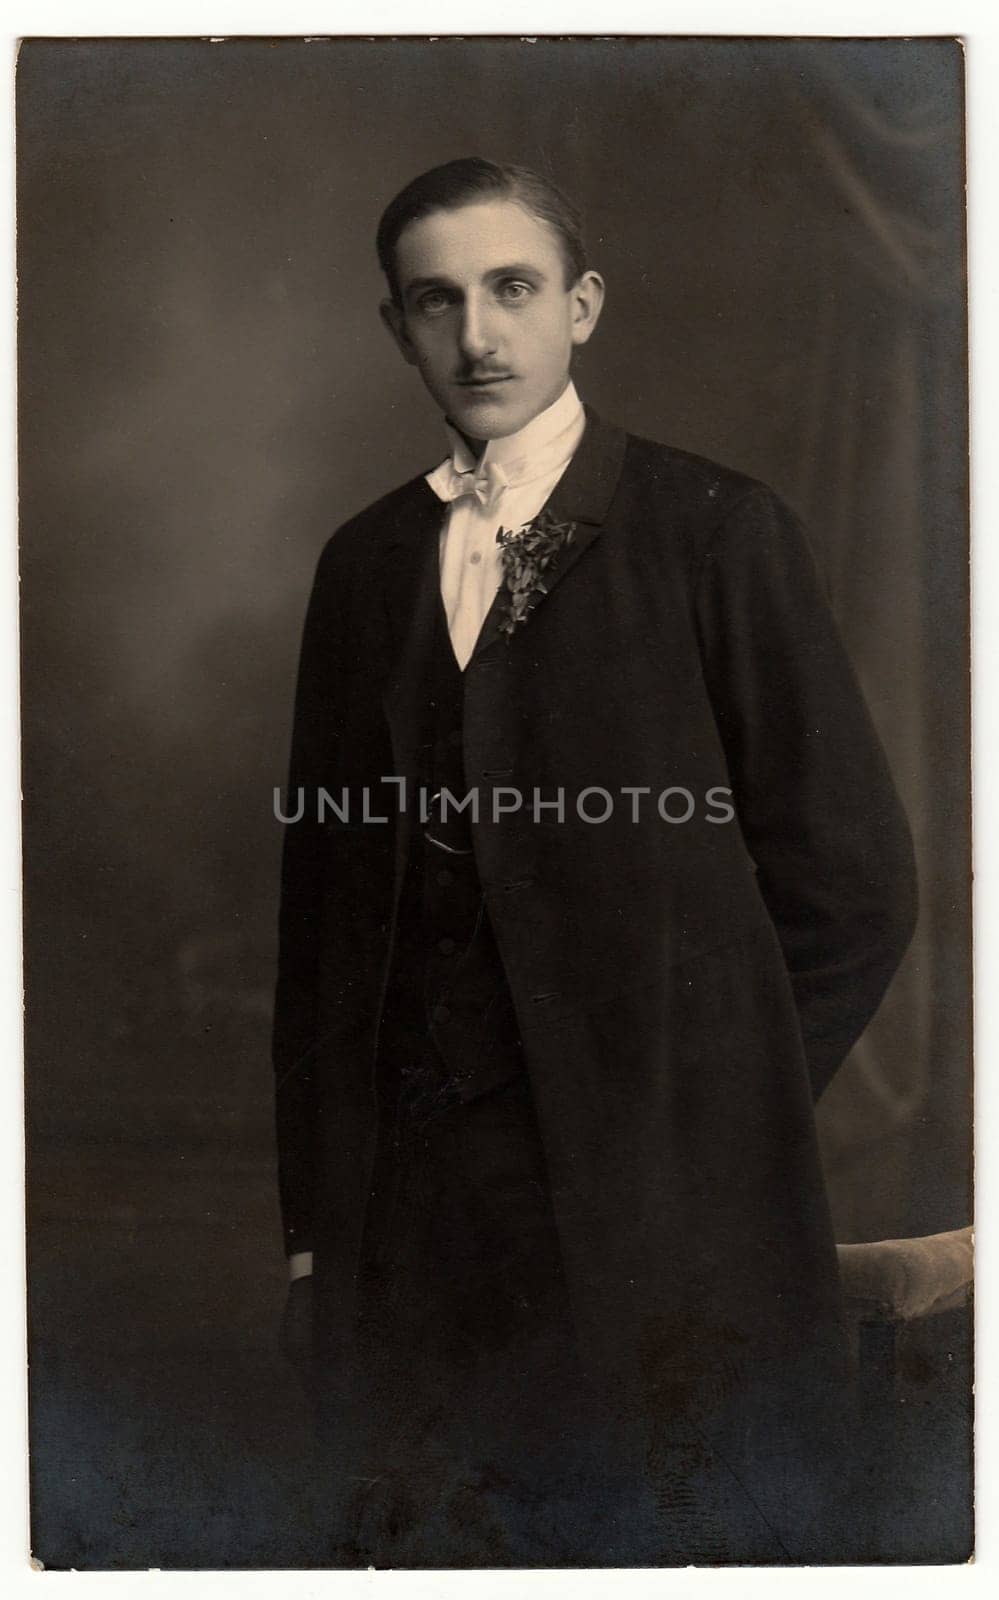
(485, 483)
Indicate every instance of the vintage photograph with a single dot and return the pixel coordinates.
(496, 802)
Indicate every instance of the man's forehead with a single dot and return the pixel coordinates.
(470, 241)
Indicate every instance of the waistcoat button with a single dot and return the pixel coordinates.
(441, 1014)
(446, 946)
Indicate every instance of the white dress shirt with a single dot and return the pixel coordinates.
(505, 488)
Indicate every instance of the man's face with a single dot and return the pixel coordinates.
(486, 316)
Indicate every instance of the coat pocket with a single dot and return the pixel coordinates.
(569, 954)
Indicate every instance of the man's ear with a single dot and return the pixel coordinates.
(395, 321)
(587, 303)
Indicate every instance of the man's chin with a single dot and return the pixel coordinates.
(491, 416)
(483, 419)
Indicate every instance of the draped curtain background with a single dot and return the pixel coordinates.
(205, 394)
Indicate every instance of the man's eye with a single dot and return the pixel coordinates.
(434, 303)
(515, 291)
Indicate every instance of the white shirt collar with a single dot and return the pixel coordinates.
(536, 443)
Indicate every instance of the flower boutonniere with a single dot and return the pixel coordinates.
(528, 552)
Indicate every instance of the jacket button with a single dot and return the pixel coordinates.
(446, 946)
(441, 1014)
(445, 876)
(454, 737)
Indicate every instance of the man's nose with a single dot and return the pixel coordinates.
(477, 333)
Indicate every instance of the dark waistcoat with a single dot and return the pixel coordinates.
(448, 1009)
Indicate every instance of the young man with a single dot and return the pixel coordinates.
(548, 1035)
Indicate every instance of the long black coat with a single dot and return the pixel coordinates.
(684, 990)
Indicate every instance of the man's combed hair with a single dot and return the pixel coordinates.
(472, 179)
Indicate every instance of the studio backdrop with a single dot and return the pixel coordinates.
(205, 395)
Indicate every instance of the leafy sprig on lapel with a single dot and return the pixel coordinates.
(528, 553)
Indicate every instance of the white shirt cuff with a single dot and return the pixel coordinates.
(299, 1265)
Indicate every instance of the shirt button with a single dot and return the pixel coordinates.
(445, 876)
(445, 946)
(475, 557)
(441, 1014)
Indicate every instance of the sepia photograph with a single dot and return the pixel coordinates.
(495, 740)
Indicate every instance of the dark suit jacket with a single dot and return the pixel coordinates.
(684, 990)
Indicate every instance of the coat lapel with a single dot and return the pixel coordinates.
(412, 579)
(582, 495)
(411, 592)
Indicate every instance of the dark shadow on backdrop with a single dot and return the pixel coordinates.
(205, 394)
